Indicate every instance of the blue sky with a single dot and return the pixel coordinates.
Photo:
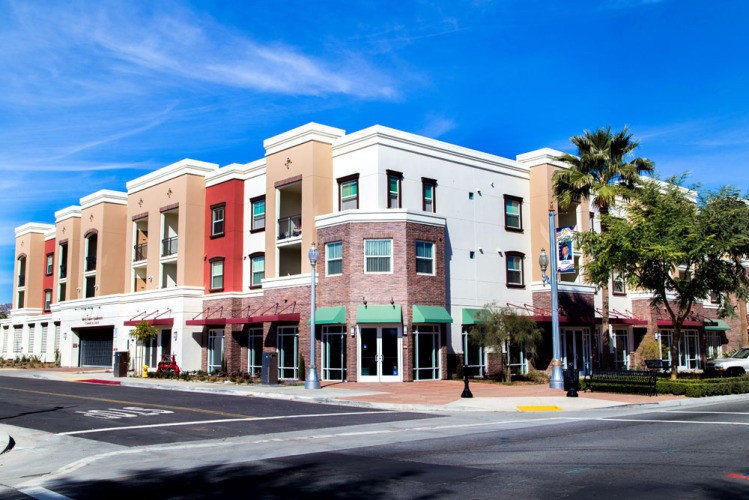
(93, 94)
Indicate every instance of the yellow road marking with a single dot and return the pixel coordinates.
(107, 400)
(539, 408)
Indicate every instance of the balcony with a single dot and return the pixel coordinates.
(91, 263)
(141, 252)
(169, 246)
(21, 280)
(290, 227)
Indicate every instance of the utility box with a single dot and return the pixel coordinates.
(121, 362)
(269, 370)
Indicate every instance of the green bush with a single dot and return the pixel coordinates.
(696, 388)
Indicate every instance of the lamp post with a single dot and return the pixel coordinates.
(556, 382)
(312, 381)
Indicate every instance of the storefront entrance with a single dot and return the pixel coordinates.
(380, 358)
(576, 349)
(426, 351)
(334, 352)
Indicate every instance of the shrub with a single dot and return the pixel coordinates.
(696, 388)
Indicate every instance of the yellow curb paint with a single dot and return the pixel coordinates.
(539, 408)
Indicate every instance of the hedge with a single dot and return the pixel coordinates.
(696, 388)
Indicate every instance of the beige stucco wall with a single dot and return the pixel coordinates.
(109, 220)
(188, 191)
(70, 230)
(32, 246)
(312, 161)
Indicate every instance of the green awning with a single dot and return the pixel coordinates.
(431, 314)
(470, 316)
(378, 314)
(330, 315)
(721, 326)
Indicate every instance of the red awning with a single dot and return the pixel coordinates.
(206, 321)
(266, 314)
(152, 322)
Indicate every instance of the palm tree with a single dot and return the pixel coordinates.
(602, 172)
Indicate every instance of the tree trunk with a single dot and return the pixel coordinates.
(508, 375)
(605, 337)
(743, 323)
(675, 341)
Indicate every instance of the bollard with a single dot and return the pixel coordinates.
(145, 371)
(466, 391)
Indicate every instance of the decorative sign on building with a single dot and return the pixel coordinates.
(565, 249)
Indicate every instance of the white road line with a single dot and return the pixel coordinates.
(42, 493)
(651, 421)
(707, 412)
(227, 420)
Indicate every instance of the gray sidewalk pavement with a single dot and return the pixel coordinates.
(440, 395)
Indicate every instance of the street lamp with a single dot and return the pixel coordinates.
(312, 381)
(556, 382)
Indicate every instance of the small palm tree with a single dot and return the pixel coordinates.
(602, 172)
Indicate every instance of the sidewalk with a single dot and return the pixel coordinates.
(438, 395)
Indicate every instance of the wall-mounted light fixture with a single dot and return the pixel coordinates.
(364, 301)
(353, 331)
(174, 335)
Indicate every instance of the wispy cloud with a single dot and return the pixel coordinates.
(436, 126)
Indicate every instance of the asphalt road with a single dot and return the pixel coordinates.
(132, 416)
(257, 448)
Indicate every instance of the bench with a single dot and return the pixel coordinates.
(657, 364)
(611, 380)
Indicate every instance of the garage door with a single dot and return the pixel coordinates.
(95, 347)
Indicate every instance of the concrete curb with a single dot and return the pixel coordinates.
(6, 442)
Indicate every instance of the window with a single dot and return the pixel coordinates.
(474, 361)
(217, 220)
(394, 189)
(288, 349)
(714, 298)
(618, 286)
(257, 269)
(215, 350)
(428, 188)
(424, 257)
(255, 351)
(513, 213)
(334, 258)
(217, 274)
(515, 270)
(348, 190)
(592, 222)
(258, 214)
(49, 264)
(47, 300)
(377, 256)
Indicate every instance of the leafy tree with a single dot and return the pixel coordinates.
(143, 332)
(675, 248)
(500, 328)
(603, 173)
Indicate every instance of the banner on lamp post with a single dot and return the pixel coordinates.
(565, 249)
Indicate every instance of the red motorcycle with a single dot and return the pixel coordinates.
(168, 366)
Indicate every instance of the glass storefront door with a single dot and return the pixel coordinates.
(334, 353)
(426, 351)
(380, 354)
(576, 349)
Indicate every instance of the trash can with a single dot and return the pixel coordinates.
(571, 379)
(269, 370)
(121, 362)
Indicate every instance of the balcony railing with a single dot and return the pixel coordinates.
(21, 280)
(63, 272)
(289, 227)
(91, 263)
(141, 252)
(169, 246)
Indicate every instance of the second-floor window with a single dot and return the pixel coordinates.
(334, 258)
(378, 256)
(513, 213)
(424, 257)
(394, 189)
(257, 270)
(49, 264)
(217, 274)
(47, 300)
(258, 214)
(428, 191)
(515, 278)
(618, 286)
(348, 192)
(217, 220)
